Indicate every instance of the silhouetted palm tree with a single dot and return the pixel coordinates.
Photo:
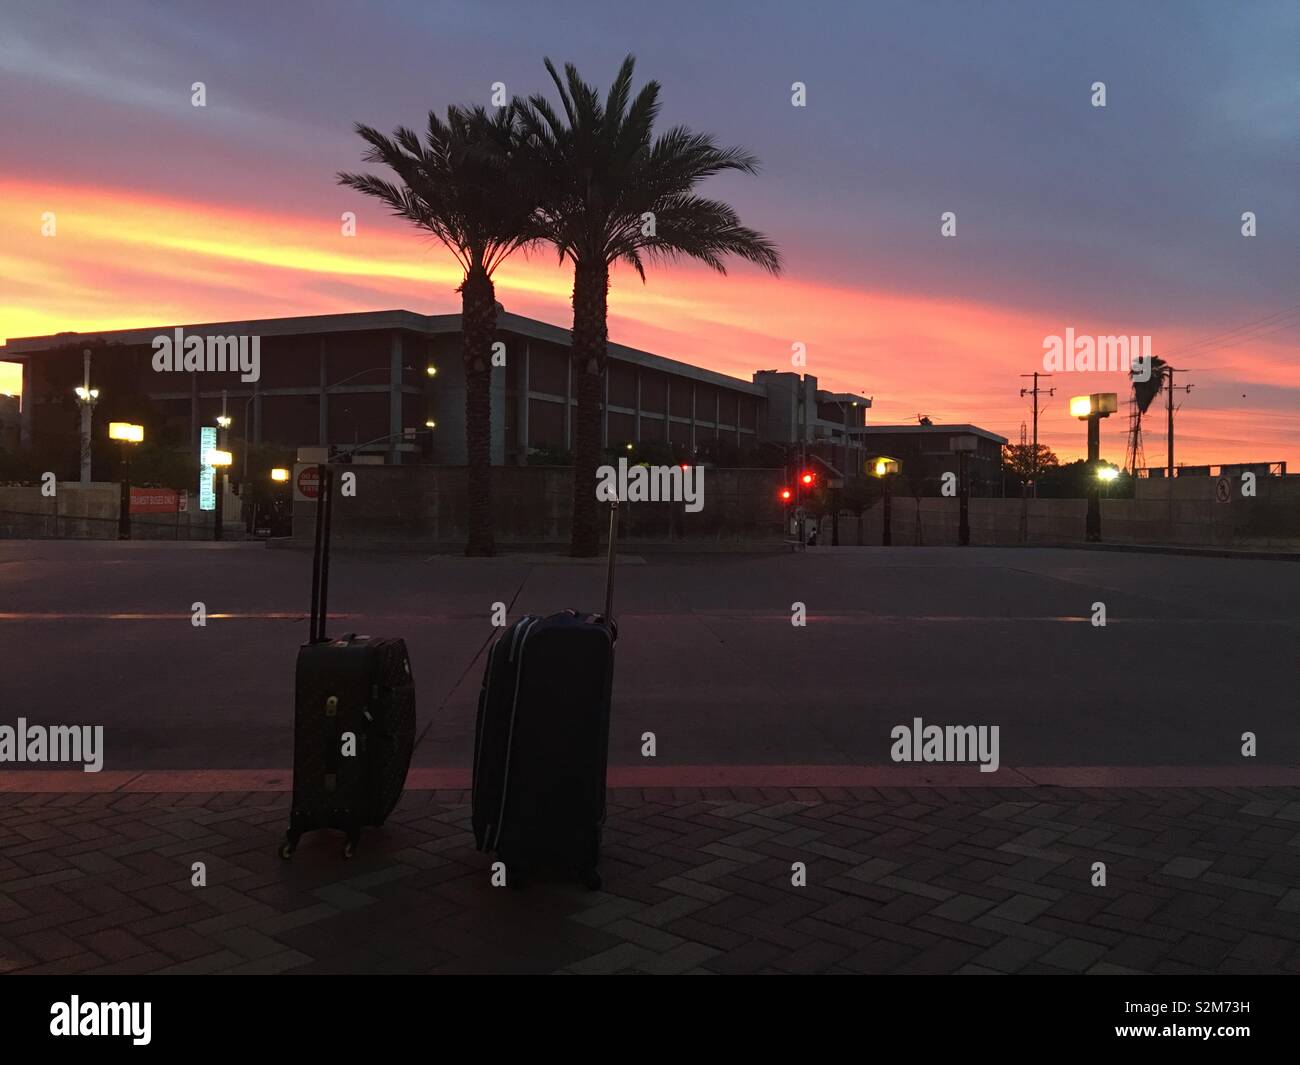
(609, 191)
(458, 185)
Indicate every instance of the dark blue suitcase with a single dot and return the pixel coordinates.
(354, 717)
(541, 741)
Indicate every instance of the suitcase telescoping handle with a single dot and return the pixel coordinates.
(609, 572)
(320, 566)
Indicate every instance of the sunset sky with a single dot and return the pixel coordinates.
(1117, 220)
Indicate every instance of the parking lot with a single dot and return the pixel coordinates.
(1194, 653)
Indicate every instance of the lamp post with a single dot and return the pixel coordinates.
(127, 434)
(86, 397)
(1092, 409)
(963, 446)
(219, 460)
(885, 467)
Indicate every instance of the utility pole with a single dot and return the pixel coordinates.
(1169, 407)
(1035, 392)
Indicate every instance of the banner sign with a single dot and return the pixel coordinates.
(154, 501)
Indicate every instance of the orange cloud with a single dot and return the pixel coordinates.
(124, 259)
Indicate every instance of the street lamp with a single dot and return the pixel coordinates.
(885, 468)
(86, 398)
(1092, 409)
(963, 445)
(126, 433)
(219, 460)
(279, 474)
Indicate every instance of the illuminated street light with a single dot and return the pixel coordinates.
(126, 433)
(431, 370)
(219, 460)
(884, 467)
(1107, 473)
(1097, 405)
(1092, 409)
(429, 423)
(86, 397)
(279, 474)
(224, 420)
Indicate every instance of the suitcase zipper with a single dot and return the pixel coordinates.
(478, 726)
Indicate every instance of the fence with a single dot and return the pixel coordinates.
(90, 512)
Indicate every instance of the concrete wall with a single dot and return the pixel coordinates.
(1184, 511)
(91, 513)
(415, 505)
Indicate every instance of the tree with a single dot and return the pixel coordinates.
(1018, 460)
(1074, 479)
(460, 185)
(609, 191)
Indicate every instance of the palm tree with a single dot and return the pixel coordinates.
(609, 191)
(459, 185)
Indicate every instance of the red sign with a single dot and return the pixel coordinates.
(154, 501)
(309, 481)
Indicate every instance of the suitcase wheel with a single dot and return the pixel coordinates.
(289, 845)
(350, 847)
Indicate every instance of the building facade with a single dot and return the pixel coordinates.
(376, 381)
(926, 454)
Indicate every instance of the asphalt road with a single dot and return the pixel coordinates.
(1195, 651)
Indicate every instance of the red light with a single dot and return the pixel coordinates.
(785, 494)
(807, 478)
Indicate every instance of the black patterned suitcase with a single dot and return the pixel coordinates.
(541, 741)
(354, 717)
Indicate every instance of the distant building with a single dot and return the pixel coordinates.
(10, 423)
(361, 380)
(926, 454)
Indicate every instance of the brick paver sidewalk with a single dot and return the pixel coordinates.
(916, 880)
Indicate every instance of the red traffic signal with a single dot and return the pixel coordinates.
(785, 495)
(807, 477)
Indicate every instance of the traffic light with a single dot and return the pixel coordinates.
(807, 478)
(786, 495)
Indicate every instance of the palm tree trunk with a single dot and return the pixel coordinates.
(590, 332)
(478, 328)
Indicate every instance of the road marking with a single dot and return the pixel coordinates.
(457, 778)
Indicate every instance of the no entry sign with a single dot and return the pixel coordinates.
(306, 482)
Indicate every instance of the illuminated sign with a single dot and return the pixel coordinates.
(207, 472)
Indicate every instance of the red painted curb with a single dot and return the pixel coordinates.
(190, 781)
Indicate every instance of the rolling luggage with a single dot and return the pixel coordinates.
(354, 716)
(542, 740)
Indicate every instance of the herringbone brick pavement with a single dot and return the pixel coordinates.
(915, 880)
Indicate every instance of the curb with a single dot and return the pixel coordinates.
(211, 781)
